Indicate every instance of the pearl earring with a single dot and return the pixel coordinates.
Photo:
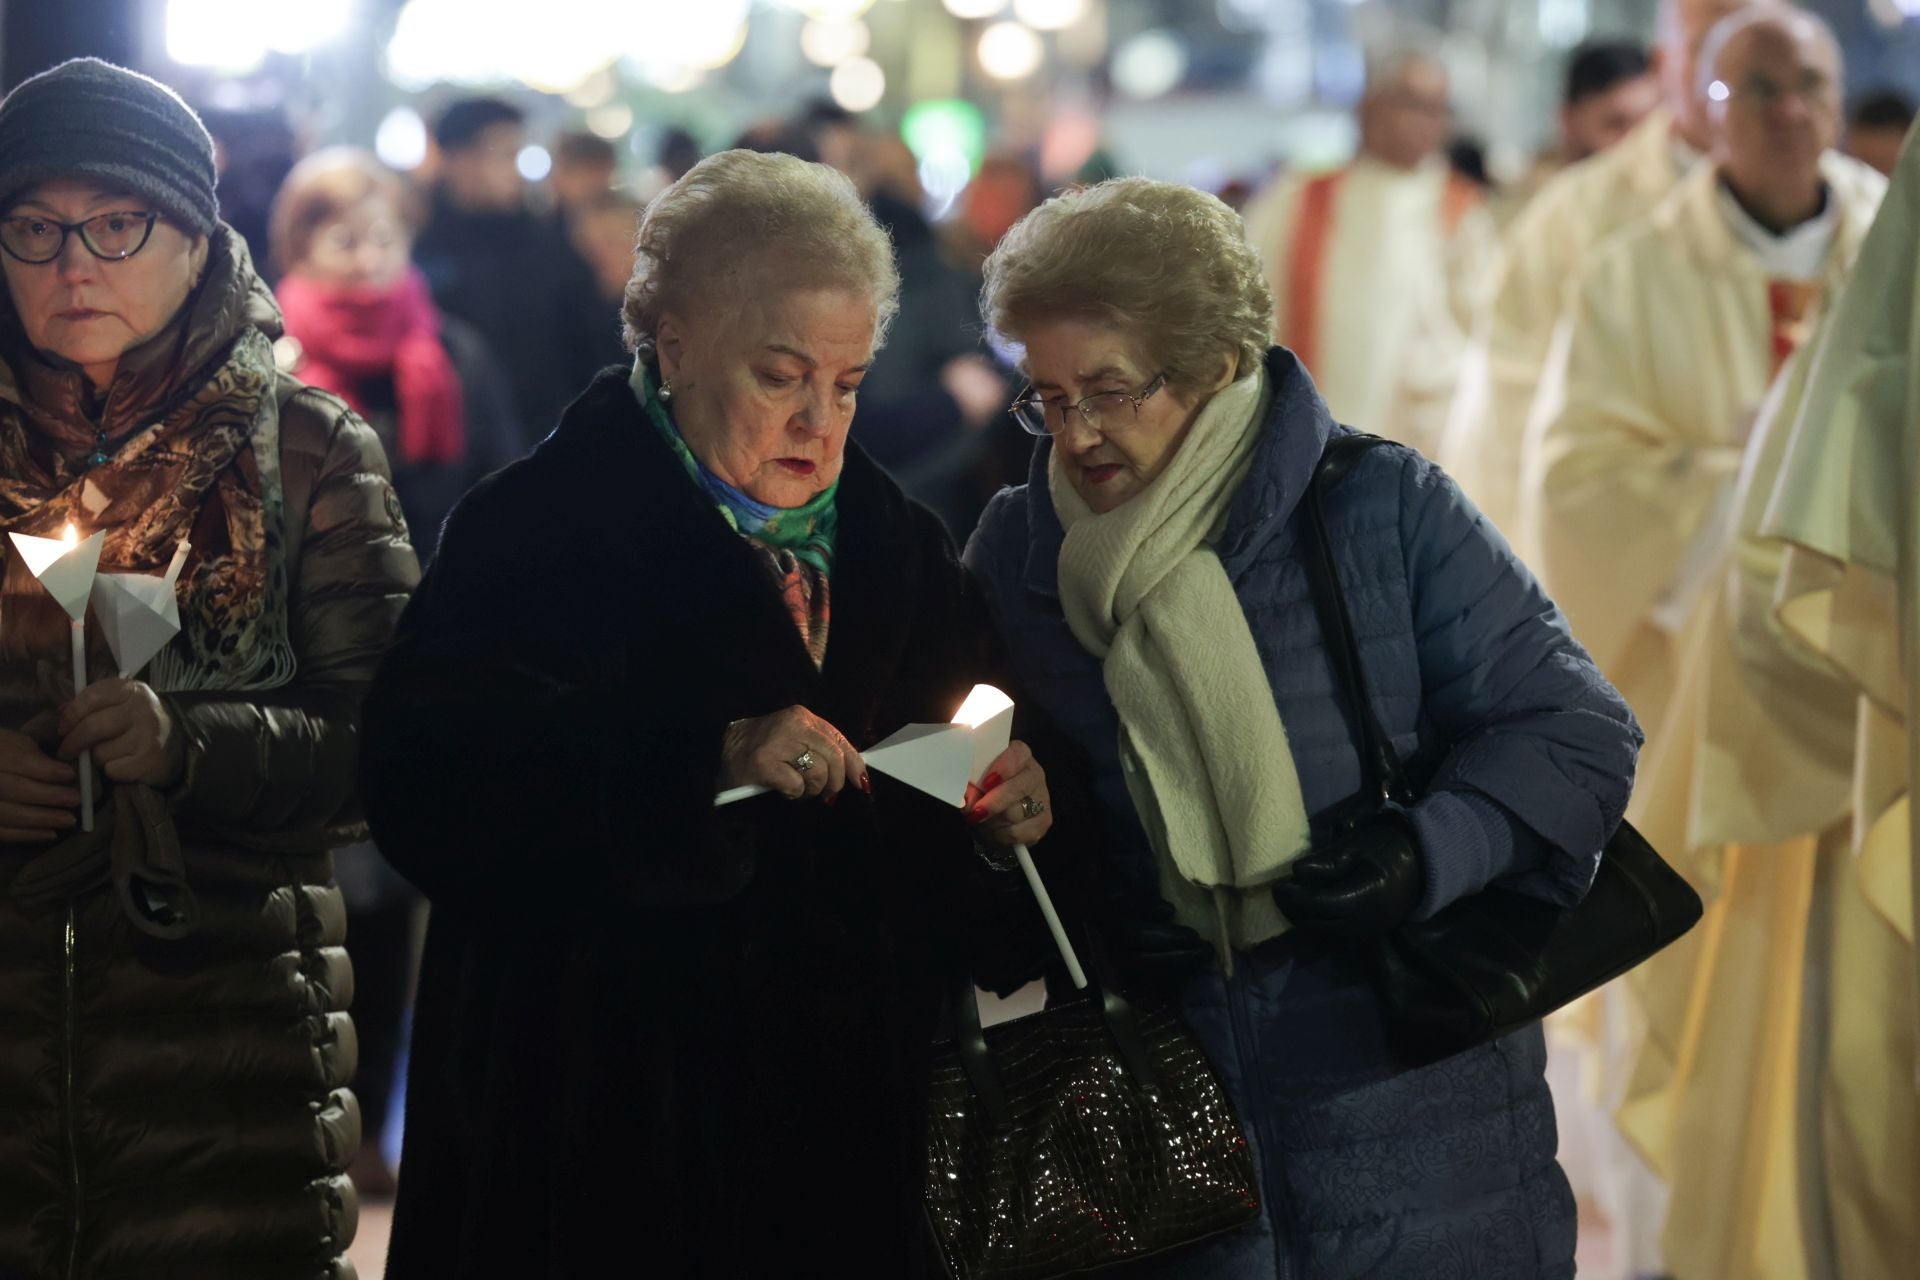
(666, 390)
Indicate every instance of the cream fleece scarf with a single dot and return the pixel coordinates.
(1204, 753)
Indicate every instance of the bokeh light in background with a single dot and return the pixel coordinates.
(486, 42)
(1172, 88)
(401, 140)
(1049, 15)
(1150, 65)
(596, 90)
(1564, 23)
(235, 35)
(1010, 51)
(828, 42)
(973, 9)
(948, 137)
(858, 84)
(829, 10)
(611, 121)
(534, 163)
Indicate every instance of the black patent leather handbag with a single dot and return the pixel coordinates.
(1084, 1136)
(1497, 960)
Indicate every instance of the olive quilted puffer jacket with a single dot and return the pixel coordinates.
(174, 1108)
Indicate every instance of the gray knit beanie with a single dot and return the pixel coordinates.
(90, 119)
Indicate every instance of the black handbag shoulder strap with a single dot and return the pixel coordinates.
(1381, 772)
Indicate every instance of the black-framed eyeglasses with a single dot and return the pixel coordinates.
(113, 237)
(1103, 411)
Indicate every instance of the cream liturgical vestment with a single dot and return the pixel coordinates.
(1371, 268)
(1847, 509)
(1743, 1097)
(1523, 296)
(1678, 326)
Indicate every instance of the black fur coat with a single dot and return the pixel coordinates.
(652, 1039)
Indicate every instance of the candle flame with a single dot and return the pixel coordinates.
(982, 705)
(70, 535)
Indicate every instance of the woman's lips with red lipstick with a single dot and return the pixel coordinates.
(1102, 473)
(799, 466)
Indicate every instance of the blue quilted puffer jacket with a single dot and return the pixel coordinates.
(1526, 757)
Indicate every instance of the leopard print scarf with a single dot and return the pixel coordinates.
(206, 469)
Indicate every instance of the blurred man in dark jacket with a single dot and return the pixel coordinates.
(506, 271)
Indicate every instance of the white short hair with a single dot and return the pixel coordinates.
(744, 221)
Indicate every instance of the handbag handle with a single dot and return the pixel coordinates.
(1380, 767)
(1116, 1011)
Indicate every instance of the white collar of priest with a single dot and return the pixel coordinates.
(1799, 252)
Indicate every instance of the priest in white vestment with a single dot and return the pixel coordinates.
(1678, 326)
(1371, 264)
(1512, 356)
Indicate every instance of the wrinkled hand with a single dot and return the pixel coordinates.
(996, 808)
(1364, 886)
(126, 726)
(761, 752)
(39, 796)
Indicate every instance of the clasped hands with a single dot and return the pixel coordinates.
(132, 737)
(1363, 885)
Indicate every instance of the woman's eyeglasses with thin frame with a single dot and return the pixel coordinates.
(111, 237)
(1041, 417)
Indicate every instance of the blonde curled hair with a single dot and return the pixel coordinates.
(1167, 262)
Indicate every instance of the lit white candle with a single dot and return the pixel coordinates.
(942, 760)
(66, 567)
(71, 537)
(984, 707)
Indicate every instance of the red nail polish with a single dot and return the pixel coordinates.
(866, 783)
(831, 796)
(991, 781)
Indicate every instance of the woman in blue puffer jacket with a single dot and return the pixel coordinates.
(1149, 579)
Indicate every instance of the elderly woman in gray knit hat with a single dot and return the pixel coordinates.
(174, 1042)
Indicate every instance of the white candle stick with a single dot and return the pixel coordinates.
(1058, 930)
(66, 567)
(79, 633)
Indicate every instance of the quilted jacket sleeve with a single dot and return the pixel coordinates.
(1542, 749)
(278, 769)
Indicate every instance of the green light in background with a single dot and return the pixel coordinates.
(943, 127)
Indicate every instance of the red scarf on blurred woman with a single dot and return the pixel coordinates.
(353, 335)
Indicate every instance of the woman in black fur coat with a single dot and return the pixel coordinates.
(654, 1035)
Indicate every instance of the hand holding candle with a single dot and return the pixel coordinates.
(125, 726)
(123, 721)
(1011, 805)
(951, 762)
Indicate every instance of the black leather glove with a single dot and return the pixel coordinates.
(1152, 952)
(1362, 886)
(1161, 957)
